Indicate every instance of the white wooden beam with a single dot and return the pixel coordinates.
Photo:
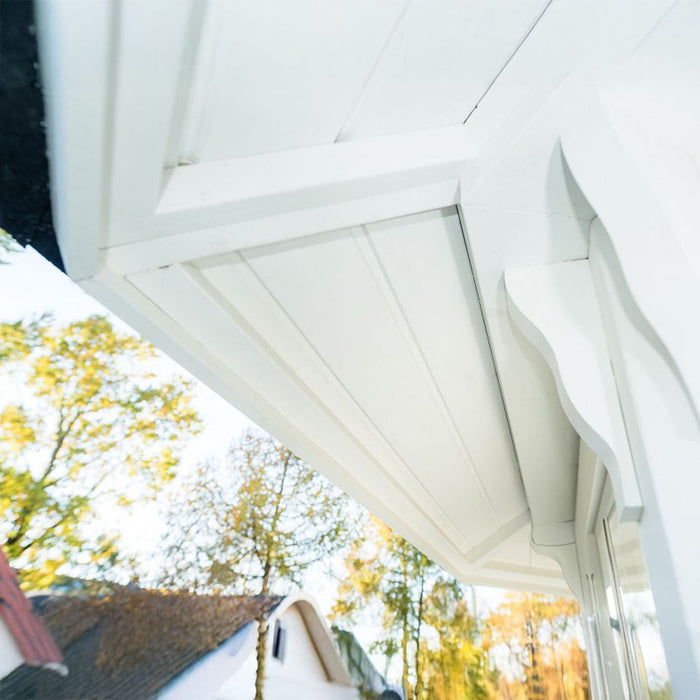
(315, 175)
(485, 550)
(75, 48)
(219, 193)
(154, 38)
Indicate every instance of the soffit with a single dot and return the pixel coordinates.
(276, 76)
(378, 330)
(279, 266)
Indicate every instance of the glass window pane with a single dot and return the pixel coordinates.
(639, 610)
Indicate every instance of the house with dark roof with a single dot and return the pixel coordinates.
(137, 643)
(23, 638)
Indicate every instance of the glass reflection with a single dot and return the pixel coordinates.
(639, 611)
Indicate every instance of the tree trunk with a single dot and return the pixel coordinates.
(261, 647)
(404, 655)
(260, 655)
(419, 679)
(559, 668)
(536, 692)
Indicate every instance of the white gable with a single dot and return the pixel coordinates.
(308, 669)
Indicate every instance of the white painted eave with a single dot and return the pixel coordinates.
(167, 217)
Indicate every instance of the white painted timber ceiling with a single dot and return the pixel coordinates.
(380, 327)
(280, 75)
(311, 205)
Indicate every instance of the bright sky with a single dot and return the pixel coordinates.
(31, 286)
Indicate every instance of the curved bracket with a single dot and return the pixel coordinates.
(566, 556)
(556, 308)
(558, 541)
(663, 283)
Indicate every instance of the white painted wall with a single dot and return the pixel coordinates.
(205, 677)
(301, 662)
(228, 673)
(300, 675)
(10, 657)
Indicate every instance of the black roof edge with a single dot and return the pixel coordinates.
(25, 197)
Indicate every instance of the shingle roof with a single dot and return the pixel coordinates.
(34, 641)
(132, 642)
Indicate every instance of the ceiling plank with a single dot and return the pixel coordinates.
(218, 193)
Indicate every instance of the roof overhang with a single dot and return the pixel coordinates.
(303, 205)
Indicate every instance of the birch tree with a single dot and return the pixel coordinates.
(260, 519)
(385, 569)
(456, 664)
(424, 617)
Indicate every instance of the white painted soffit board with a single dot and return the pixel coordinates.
(156, 325)
(335, 302)
(440, 60)
(197, 349)
(271, 76)
(379, 177)
(253, 74)
(573, 47)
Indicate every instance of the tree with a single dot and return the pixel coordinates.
(261, 518)
(413, 593)
(458, 665)
(89, 424)
(386, 569)
(538, 633)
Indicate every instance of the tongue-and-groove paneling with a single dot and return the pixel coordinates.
(382, 327)
(270, 76)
